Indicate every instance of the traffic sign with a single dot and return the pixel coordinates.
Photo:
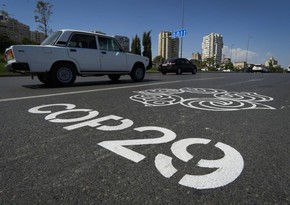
(179, 33)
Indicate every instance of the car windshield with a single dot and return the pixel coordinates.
(51, 39)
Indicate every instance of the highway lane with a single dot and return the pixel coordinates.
(190, 139)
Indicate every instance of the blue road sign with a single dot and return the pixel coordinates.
(179, 33)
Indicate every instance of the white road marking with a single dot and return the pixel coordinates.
(101, 89)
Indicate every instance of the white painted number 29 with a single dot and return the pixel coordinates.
(228, 168)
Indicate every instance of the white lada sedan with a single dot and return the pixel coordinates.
(70, 53)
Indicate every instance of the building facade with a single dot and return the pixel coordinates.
(12, 28)
(168, 47)
(212, 46)
(17, 31)
(196, 56)
(271, 62)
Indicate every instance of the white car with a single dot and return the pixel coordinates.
(70, 53)
(259, 68)
(288, 69)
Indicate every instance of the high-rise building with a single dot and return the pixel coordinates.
(168, 47)
(212, 46)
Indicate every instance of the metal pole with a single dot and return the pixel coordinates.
(182, 24)
(247, 50)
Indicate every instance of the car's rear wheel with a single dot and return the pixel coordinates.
(114, 77)
(194, 71)
(179, 71)
(138, 72)
(63, 74)
(163, 72)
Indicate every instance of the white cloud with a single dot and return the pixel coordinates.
(238, 54)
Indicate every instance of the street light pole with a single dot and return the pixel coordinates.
(182, 25)
(247, 50)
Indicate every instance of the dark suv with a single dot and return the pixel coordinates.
(178, 66)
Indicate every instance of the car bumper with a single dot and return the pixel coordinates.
(167, 69)
(18, 67)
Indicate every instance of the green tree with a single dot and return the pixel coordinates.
(147, 51)
(229, 66)
(210, 61)
(136, 45)
(5, 42)
(158, 60)
(43, 13)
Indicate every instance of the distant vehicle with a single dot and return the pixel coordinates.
(70, 53)
(226, 70)
(178, 66)
(259, 68)
(288, 69)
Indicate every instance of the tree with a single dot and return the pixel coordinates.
(136, 45)
(5, 42)
(43, 11)
(158, 60)
(146, 42)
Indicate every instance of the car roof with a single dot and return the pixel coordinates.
(88, 32)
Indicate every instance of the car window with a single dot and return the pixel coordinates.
(52, 39)
(178, 61)
(82, 41)
(108, 44)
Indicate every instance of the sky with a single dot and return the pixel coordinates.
(259, 29)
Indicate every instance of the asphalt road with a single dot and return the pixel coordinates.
(210, 138)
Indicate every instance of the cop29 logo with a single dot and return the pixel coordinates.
(203, 99)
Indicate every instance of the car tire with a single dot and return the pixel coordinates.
(138, 72)
(179, 71)
(163, 72)
(114, 77)
(63, 74)
(194, 71)
(45, 78)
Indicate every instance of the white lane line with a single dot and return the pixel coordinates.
(101, 89)
(241, 82)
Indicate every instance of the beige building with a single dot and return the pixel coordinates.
(272, 62)
(240, 65)
(196, 56)
(168, 47)
(212, 46)
(37, 36)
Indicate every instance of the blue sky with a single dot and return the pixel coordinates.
(264, 24)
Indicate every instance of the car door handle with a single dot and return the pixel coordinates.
(104, 52)
(73, 50)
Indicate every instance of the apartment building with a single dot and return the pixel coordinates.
(37, 36)
(17, 31)
(212, 46)
(168, 47)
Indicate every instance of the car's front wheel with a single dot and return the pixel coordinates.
(63, 74)
(138, 72)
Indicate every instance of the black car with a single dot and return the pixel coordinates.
(178, 66)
